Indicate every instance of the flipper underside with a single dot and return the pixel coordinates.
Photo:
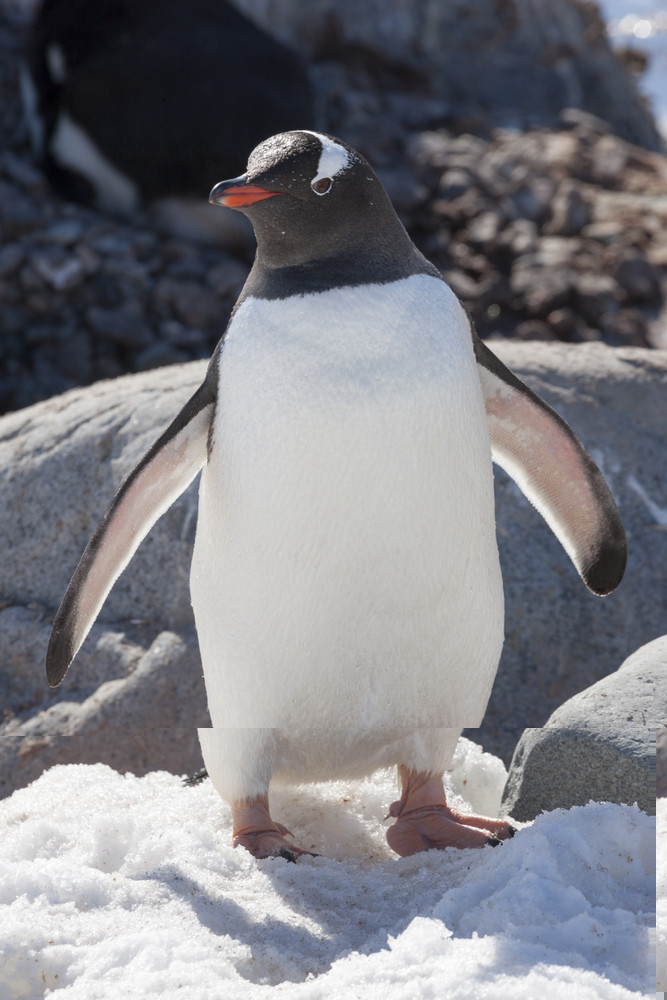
(149, 490)
(541, 453)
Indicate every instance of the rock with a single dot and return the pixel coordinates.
(629, 326)
(121, 326)
(461, 283)
(531, 199)
(11, 258)
(445, 172)
(402, 187)
(637, 277)
(542, 289)
(563, 229)
(227, 277)
(191, 303)
(570, 210)
(454, 182)
(482, 232)
(609, 160)
(61, 462)
(143, 722)
(560, 639)
(25, 632)
(158, 355)
(65, 460)
(520, 236)
(599, 745)
(65, 232)
(61, 271)
(569, 326)
(596, 297)
(521, 63)
(534, 329)
(576, 118)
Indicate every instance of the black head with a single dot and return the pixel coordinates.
(320, 212)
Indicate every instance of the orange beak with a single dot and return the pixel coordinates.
(236, 194)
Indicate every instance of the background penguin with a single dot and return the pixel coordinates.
(145, 101)
(345, 578)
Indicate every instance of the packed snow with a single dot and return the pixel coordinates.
(113, 885)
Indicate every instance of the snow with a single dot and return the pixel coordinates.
(113, 885)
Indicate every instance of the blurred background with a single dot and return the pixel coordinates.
(522, 144)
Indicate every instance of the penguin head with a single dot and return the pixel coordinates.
(310, 196)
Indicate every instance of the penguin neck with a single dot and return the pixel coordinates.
(282, 268)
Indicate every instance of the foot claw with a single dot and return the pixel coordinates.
(424, 820)
(287, 855)
(255, 830)
(269, 843)
(196, 778)
(430, 827)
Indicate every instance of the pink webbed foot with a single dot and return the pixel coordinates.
(425, 821)
(259, 834)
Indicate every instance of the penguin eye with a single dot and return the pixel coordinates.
(322, 186)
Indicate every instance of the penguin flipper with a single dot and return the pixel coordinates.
(160, 477)
(541, 453)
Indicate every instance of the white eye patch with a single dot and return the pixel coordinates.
(333, 160)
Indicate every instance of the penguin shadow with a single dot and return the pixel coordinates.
(309, 915)
(268, 944)
(296, 920)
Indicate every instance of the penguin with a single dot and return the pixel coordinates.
(123, 101)
(345, 577)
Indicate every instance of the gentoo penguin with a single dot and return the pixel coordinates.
(345, 577)
(142, 102)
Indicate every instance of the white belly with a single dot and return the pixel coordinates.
(242, 762)
(345, 568)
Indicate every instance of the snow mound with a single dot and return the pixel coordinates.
(113, 885)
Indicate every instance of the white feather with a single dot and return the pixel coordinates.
(345, 574)
(242, 762)
(334, 158)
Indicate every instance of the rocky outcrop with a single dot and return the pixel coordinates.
(143, 720)
(519, 61)
(61, 461)
(547, 235)
(559, 639)
(544, 235)
(599, 745)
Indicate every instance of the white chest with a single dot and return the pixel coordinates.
(346, 523)
(309, 377)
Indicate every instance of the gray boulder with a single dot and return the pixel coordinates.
(521, 63)
(599, 745)
(559, 638)
(141, 721)
(62, 460)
